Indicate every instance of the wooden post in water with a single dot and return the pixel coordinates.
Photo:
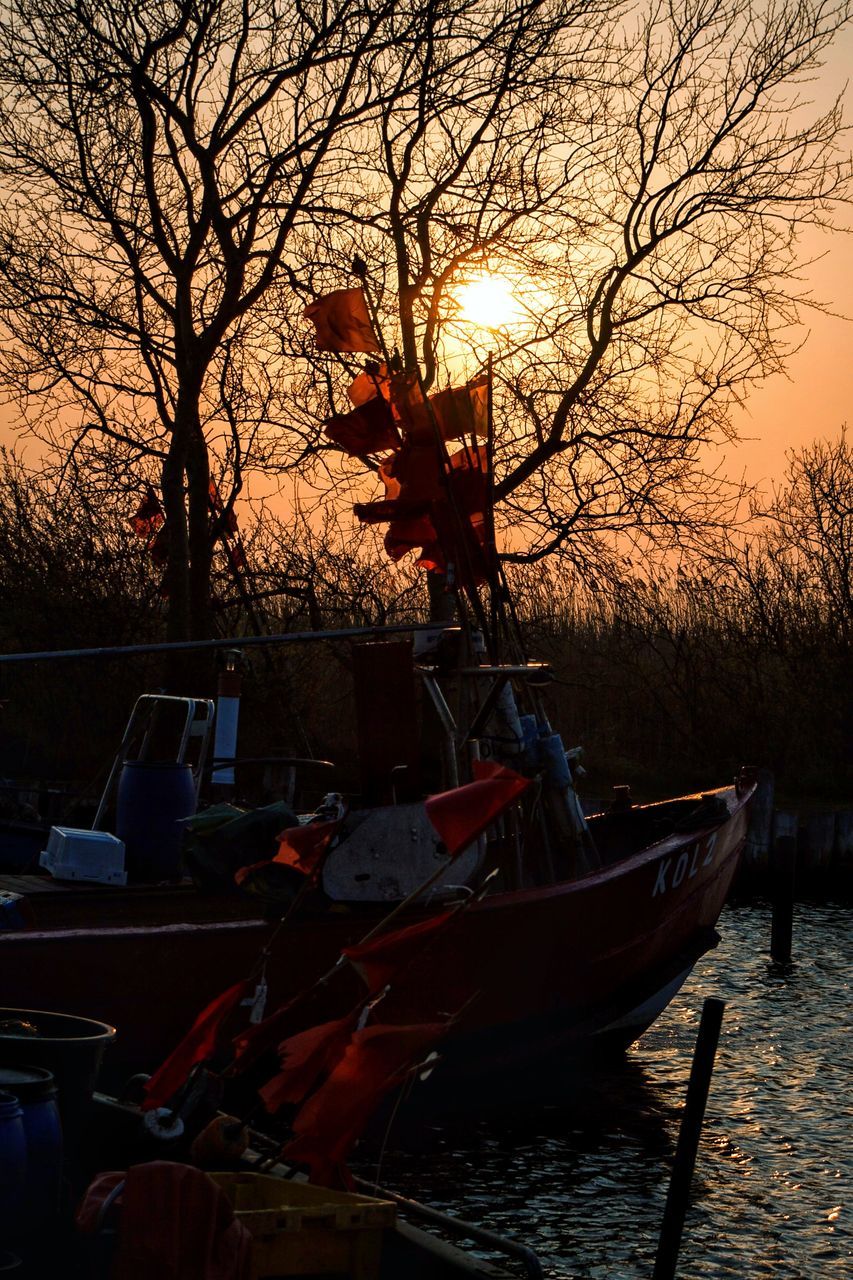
(784, 866)
(688, 1139)
(759, 836)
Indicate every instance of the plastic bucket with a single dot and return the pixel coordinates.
(69, 1047)
(150, 803)
(13, 1164)
(36, 1091)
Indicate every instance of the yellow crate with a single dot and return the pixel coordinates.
(301, 1230)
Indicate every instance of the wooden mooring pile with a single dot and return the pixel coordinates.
(820, 841)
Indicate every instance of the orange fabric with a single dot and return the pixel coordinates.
(304, 847)
(159, 546)
(418, 507)
(461, 815)
(412, 480)
(380, 959)
(409, 407)
(149, 515)
(342, 322)
(329, 1124)
(175, 1223)
(217, 506)
(372, 381)
(455, 414)
(305, 1057)
(370, 428)
(406, 535)
(197, 1045)
(257, 1039)
(89, 1216)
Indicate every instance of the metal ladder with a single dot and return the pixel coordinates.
(144, 718)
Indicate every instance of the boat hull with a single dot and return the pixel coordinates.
(539, 975)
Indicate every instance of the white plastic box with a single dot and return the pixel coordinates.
(95, 856)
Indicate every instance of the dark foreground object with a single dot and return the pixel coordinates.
(688, 1140)
(545, 973)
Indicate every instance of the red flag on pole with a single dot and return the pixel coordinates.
(342, 322)
(217, 506)
(369, 428)
(412, 480)
(197, 1045)
(461, 815)
(149, 516)
(257, 1039)
(379, 959)
(457, 413)
(304, 847)
(305, 1057)
(329, 1124)
(372, 381)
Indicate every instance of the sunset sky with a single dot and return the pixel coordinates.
(813, 401)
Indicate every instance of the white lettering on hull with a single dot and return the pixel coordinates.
(686, 865)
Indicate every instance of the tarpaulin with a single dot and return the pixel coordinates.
(174, 1223)
(304, 847)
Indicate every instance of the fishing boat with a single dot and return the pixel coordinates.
(570, 934)
(458, 885)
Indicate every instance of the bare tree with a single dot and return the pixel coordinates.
(645, 197)
(156, 161)
(804, 543)
(180, 180)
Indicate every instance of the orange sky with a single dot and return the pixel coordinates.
(814, 400)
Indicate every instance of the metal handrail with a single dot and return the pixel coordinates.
(240, 642)
(458, 1226)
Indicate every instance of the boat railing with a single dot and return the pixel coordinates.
(488, 1239)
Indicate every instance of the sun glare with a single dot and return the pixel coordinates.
(488, 302)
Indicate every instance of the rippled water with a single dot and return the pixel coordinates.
(584, 1183)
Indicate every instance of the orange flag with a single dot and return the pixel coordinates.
(342, 322)
(462, 412)
(149, 515)
(369, 428)
(305, 1057)
(197, 1045)
(372, 381)
(461, 815)
(458, 413)
(304, 847)
(379, 959)
(329, 1124)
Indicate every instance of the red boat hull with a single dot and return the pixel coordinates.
(539, 973)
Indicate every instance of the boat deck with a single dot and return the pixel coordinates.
(75, 904)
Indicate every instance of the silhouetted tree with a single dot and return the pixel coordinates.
(181, 179)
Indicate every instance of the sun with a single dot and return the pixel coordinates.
(489, 302)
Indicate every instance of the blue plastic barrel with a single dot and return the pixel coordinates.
(13, 1165)
(70, 1048)
(151, 800)
(35, 1089)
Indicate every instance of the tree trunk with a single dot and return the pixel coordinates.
(200, 544)
(176, 580)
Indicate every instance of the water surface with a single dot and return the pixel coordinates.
(583, 1181)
